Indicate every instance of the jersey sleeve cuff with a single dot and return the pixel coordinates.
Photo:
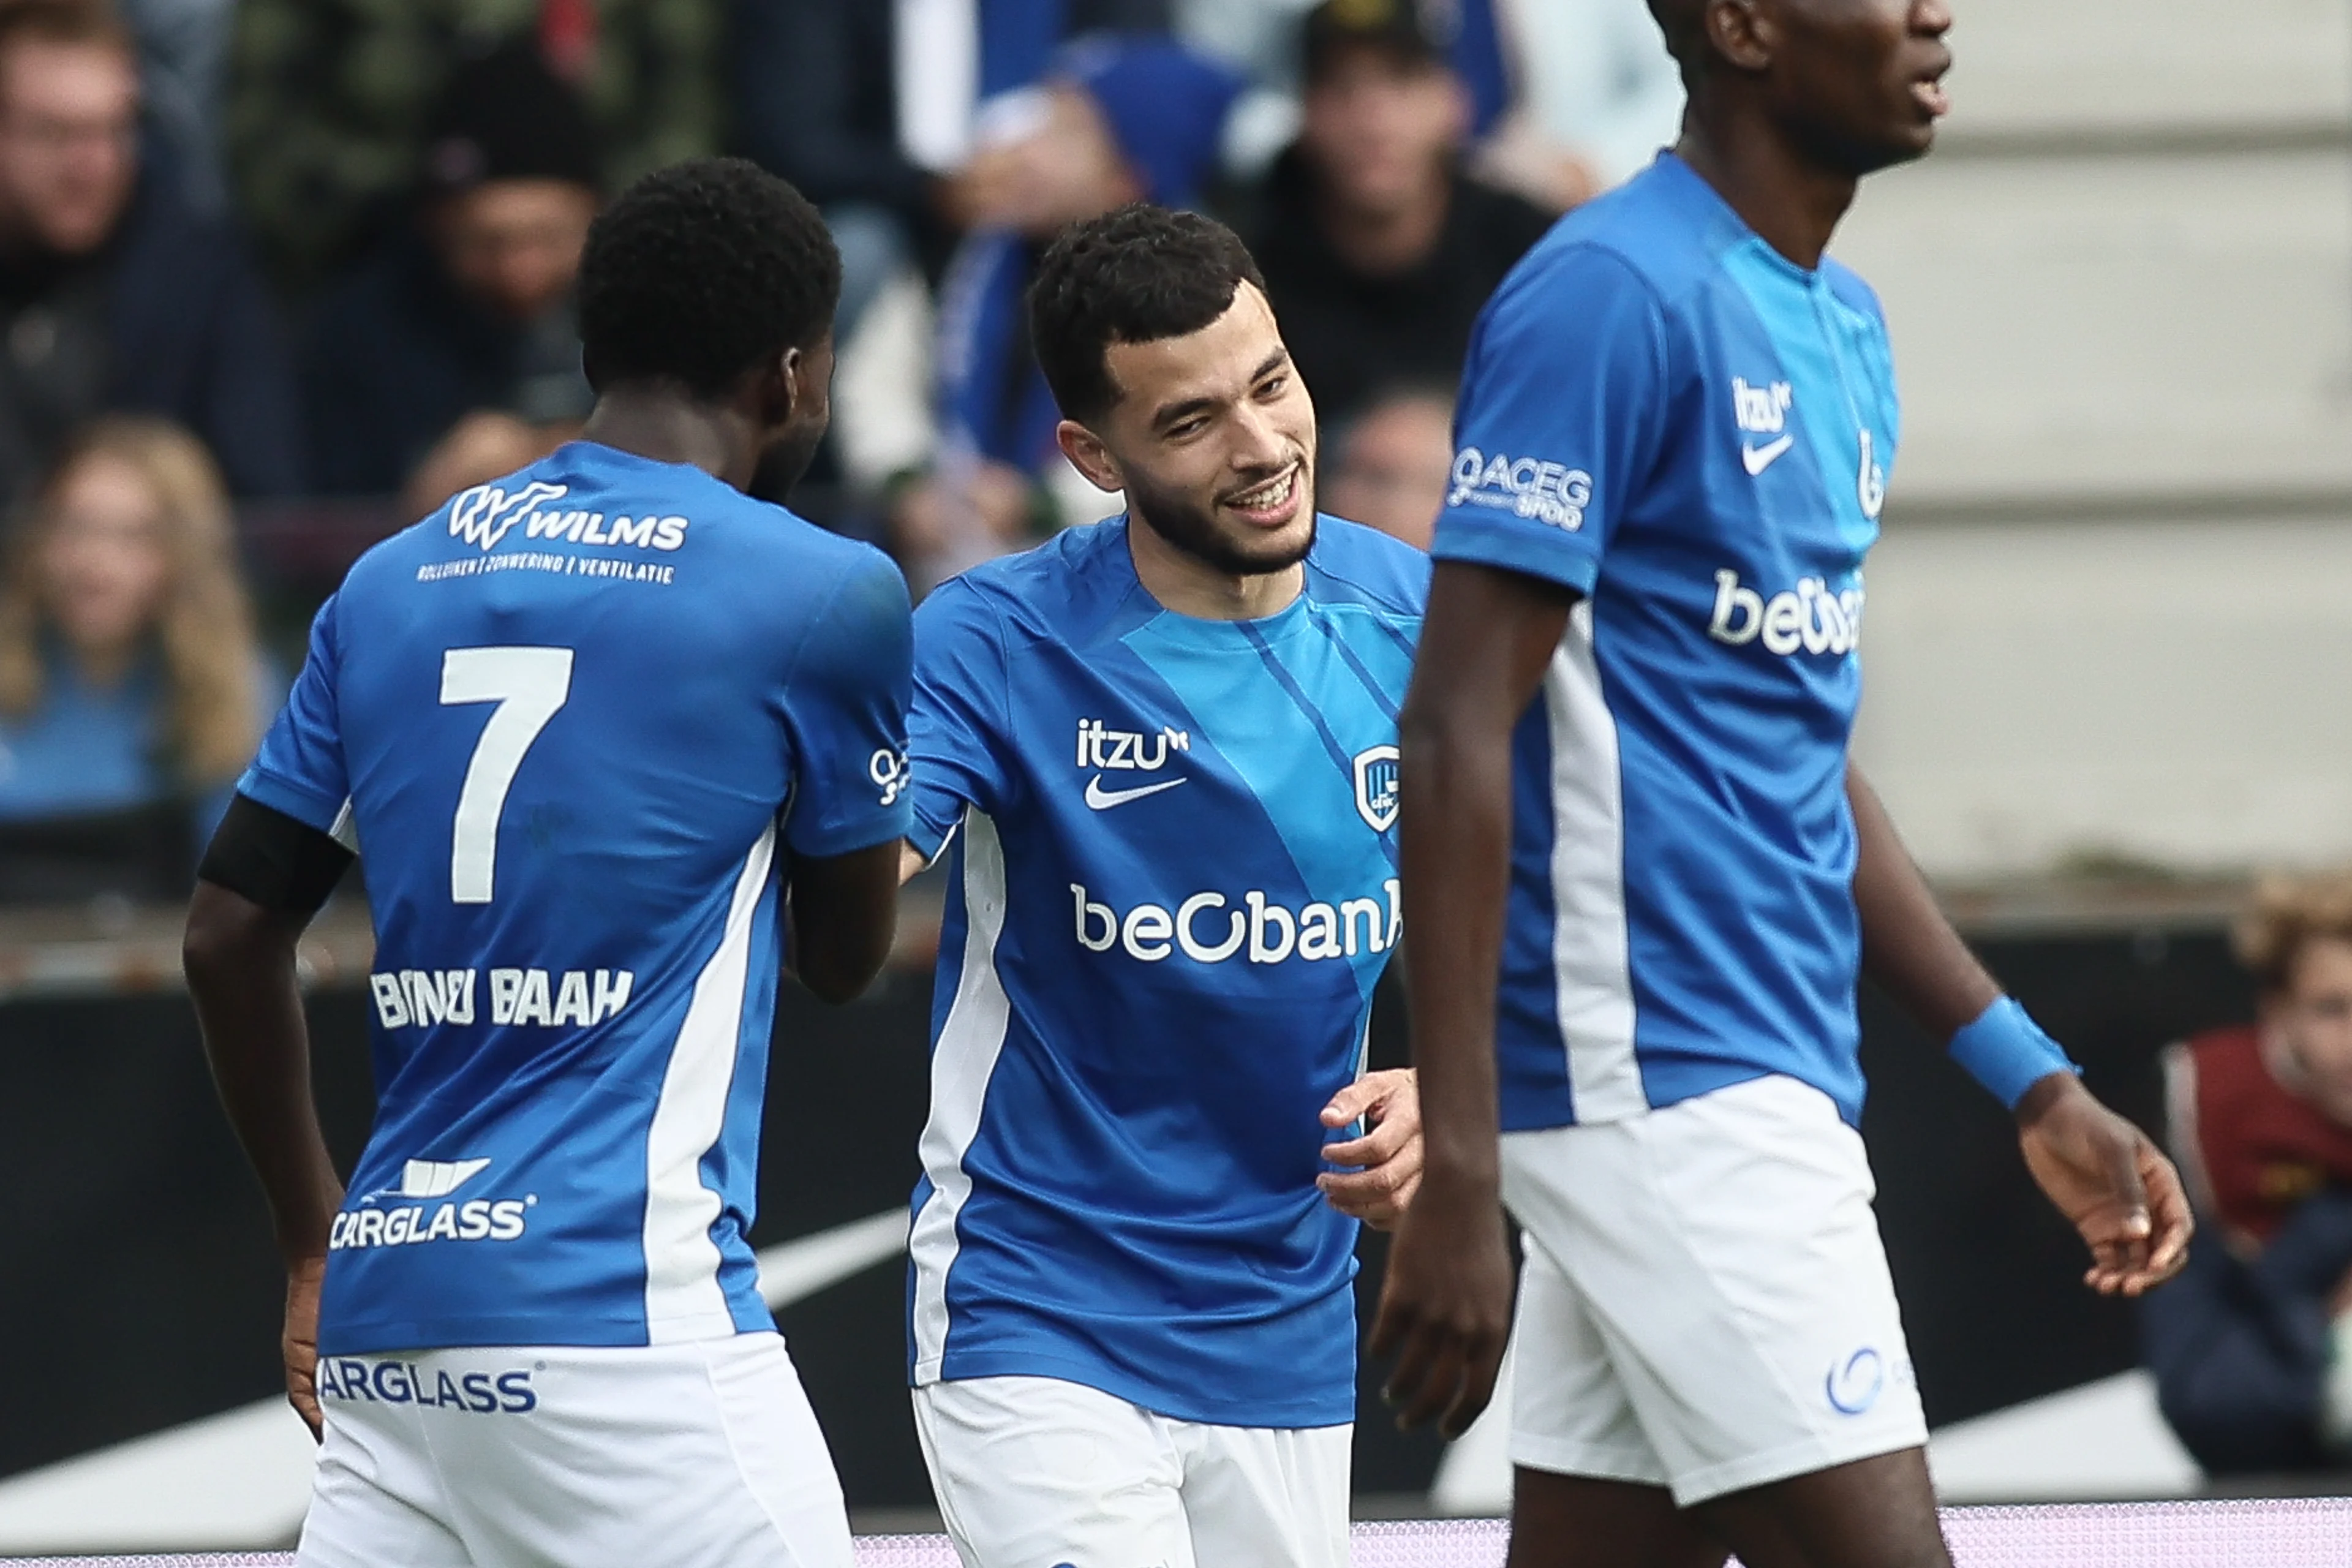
(1549, 554)
(821, 840)
(936, 820)
(302, 803)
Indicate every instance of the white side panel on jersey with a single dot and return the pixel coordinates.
(1591, 966)
(683, 1301)
(969, 1043)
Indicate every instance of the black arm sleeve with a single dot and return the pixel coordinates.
(267, 857)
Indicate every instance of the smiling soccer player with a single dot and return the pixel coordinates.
(1165, 747)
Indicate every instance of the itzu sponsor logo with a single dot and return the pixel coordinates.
(483, 516)
(1105, 749)
(390, 1216)
(1763, 410)
(1524, 486)
(1208, 928)
(405, 1382)
(1808, 617)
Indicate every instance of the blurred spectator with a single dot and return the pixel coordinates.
(456, 345)
(1377, 251)
(132, 694)
(114, 294)
(182, 56)
(2251, 1345)
(868, 107)
(1391, 464)
(1120, 120)
(1601, 97)
(330, 102)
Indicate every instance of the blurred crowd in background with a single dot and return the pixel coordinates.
(279, 276)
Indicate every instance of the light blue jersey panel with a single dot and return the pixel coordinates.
(580, 720)
(1175, 889)
(1662, 413)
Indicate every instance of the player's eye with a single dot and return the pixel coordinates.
(1271, 387)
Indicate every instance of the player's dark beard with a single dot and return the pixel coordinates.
(1192, 528)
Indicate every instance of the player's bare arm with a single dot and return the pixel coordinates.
(845, 915)
(2106, 1175)
(1446, 1309)
(239, 958)
(1386, 1161)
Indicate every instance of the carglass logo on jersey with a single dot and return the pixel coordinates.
(1524, 487)
(502, 1393)
(1208, 928)
(484, 515)
(390, 1216)
(1808, 617)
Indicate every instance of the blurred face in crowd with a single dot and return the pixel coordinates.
(69, 143)
(2312, 1019)
(1393, 467)
(1056, 164)
(513, 246)
(1381, 129)
(1212, 438)
(105, 561)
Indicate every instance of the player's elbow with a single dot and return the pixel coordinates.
(227, 938)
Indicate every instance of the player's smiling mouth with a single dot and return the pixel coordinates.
(1269, 503)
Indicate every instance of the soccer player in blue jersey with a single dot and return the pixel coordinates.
(1165, 747)
(1628, 797)
(605, 730)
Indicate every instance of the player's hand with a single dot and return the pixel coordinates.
(2110, 1181)
(1388, 1155)
(299, 1343)
(1445, 1306)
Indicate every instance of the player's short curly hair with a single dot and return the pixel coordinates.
(2287, 915)
(700, 272)
(1137, 275)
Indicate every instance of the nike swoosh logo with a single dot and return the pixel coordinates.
(1758, 458)
(1102, 799)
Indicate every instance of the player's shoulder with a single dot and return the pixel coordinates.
(1055, 589)
(1353, 564)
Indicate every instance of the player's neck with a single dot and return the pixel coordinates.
(1791, 201)
(1190, 586)
(660, 423)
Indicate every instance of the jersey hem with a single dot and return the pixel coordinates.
(1482, 546)
(378, 1336)
(1296, 1415)
(289, 799)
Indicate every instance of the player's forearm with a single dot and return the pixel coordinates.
(240, 963)
(1908, 945)
(1455, 859)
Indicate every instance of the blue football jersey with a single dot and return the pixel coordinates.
(1174, 890)
(1664, 413)
(577, 722)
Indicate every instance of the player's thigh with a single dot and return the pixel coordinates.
(1727, 1252)
(1258, 1496)
(374, 1498)
(1570, 1415)
(1577, 1522)
(693, 1456)
(1033, 1471)
(1878, 1513)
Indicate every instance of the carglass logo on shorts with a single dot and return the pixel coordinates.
(1808, 617)
(1524, 487)
(1208, 928)
(354, 1379)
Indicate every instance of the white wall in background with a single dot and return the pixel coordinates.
(2177, 691)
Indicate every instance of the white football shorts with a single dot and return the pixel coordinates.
(1032, 1472)
(693, 1456)
(1706, 1304)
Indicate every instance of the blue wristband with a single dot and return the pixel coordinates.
(2005, 1051)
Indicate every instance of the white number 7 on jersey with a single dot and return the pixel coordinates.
(529, 684)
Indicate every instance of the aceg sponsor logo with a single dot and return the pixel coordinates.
(405, 1382)
(1208, 928)
(1530, 487)
(1808, 618)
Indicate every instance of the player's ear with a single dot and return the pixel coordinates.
(1742, 33)
(780, 390)
(1089, 456)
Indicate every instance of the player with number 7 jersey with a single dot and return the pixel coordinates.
(598, 728)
